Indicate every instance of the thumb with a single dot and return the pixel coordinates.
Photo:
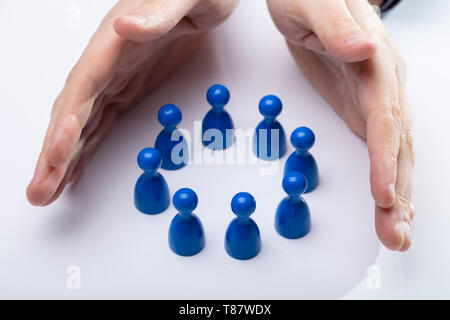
(338, 31)
(152, 19)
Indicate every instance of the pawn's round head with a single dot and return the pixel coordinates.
(218, 96)
(149, 159)
(169, 115)
(294, 183)
(185, 201)
(270, 106)
(302, 139)
(243, 204)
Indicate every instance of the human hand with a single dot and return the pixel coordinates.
(138, 45)
(345, 51)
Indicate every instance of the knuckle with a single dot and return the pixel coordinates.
(402, 199)
(78, 121)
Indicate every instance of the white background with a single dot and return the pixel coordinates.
(124, 254)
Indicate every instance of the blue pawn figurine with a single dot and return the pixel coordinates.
(242, 239)
(151, 193)
(269, 141)
(186, 235)
(170, 142)
(293, 218)
(301, 160)
(217, 125)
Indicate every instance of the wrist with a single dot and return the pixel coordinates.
(376, 2)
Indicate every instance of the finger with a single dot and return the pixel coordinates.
(405, 183)
(93, 143)
(71, 111)
(85, 153)
(44, 182)
(87, 79)
(338, 31)
(152, 19)
(59, 187)
(406, 160)
(366, 16)
(392, 230)
(393, 225)
(379, 99)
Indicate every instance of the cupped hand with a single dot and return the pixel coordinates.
(138, 44)
(345, 51)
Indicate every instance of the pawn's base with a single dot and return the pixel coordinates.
(186, 235)
(242, 239)
(151, 194)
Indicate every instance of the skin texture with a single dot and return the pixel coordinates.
(345, 51)
(137, 46)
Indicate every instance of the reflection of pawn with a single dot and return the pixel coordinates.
(186, 235)
(151, 193)
(270, 107)
(242, 240)
(217, 126)
(292, 218)
(170, 141)
(301, 160)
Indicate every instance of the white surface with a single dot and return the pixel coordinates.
(124, 254)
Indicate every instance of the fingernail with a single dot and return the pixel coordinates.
(137, 18)
(355, 39)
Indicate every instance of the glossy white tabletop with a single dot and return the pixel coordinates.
(95, 232)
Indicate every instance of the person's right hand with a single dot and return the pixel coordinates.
(347, 54)
(138, 44)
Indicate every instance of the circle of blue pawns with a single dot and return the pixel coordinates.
(301, 138)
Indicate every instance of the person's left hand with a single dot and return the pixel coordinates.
(346, 52)
(136, 47)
